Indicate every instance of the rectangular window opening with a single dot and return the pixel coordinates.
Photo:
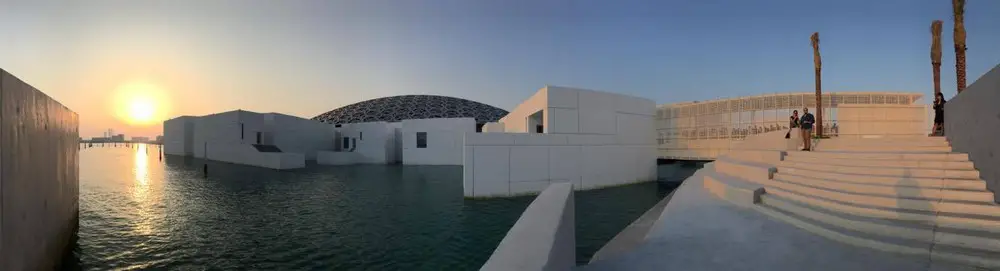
(421, 140)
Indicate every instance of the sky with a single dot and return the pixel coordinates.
(304, 58)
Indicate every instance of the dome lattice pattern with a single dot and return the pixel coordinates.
(397, 108)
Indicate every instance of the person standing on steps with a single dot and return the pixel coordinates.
(793, 122)
(939, 101)
(806, 125)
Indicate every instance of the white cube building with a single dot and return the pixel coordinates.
(589, 138)
(268, 140)
(407, 129)
(363, 143)
(435, 141)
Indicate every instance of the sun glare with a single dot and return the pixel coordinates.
(140, 103)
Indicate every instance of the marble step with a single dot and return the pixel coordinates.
(880, 171)
(960, 157)
(961, 165)
(907, 192)
(899, 237)
(958, 218)
(895, 142)
(904, 149)
(928, 233)
(936, 183)
(962, 209)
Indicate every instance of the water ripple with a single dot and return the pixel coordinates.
(167, 216)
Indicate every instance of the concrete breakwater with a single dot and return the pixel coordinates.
(39, 177)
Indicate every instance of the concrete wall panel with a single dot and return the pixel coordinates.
(375, 141)
(562, 97)
(565, 163)
(563, 121)
(444, 140)
(39, 177)
(178, 136)
(489, 139)
(493, 127)
(972, 125)
(492, 171)
(529, 164)
(597, 113)
(468, 175)
(517, 120)
(298, 135)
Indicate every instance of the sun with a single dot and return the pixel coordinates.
(140, 103)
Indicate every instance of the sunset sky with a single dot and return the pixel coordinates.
(307, 57)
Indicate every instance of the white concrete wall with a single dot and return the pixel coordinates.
(178, 136)
(444, 140)
(543, 238)
(493, 127)
(375, 144)
(297, 135)
(972, 125)
(517, 120)
(246, 154)
(220, 129)
(229, 136)
(397, 142)
(39, 177)
(507, 164)
(593, 139)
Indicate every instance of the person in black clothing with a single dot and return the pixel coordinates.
(794, 119)
(806, 125)
(938, 114)
(793, 122)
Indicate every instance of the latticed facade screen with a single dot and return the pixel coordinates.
(714, 124)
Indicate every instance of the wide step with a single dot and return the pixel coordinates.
(915, 198)
(887, 142)
(938, 183)
(909, 192)
(883, 171)
(908, 149)
(960, 157)
(958, 165)
(979, 249)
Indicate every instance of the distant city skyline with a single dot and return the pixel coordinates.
(304, 58)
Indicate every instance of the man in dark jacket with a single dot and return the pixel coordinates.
(806, 125)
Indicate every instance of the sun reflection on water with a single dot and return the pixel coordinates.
(141, 193)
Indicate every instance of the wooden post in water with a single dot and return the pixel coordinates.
(205, 170)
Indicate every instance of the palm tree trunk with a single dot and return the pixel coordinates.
(818, 65)
(936, 54)
(958, 8)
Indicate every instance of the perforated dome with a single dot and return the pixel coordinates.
(397, 108)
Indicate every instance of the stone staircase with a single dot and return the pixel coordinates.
(909, 195)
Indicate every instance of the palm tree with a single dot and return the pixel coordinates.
(958, 9)
(818, 64)
(936, 54)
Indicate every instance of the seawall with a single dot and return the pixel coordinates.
(39, 177)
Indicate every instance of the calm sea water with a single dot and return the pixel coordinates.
(138, 212)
